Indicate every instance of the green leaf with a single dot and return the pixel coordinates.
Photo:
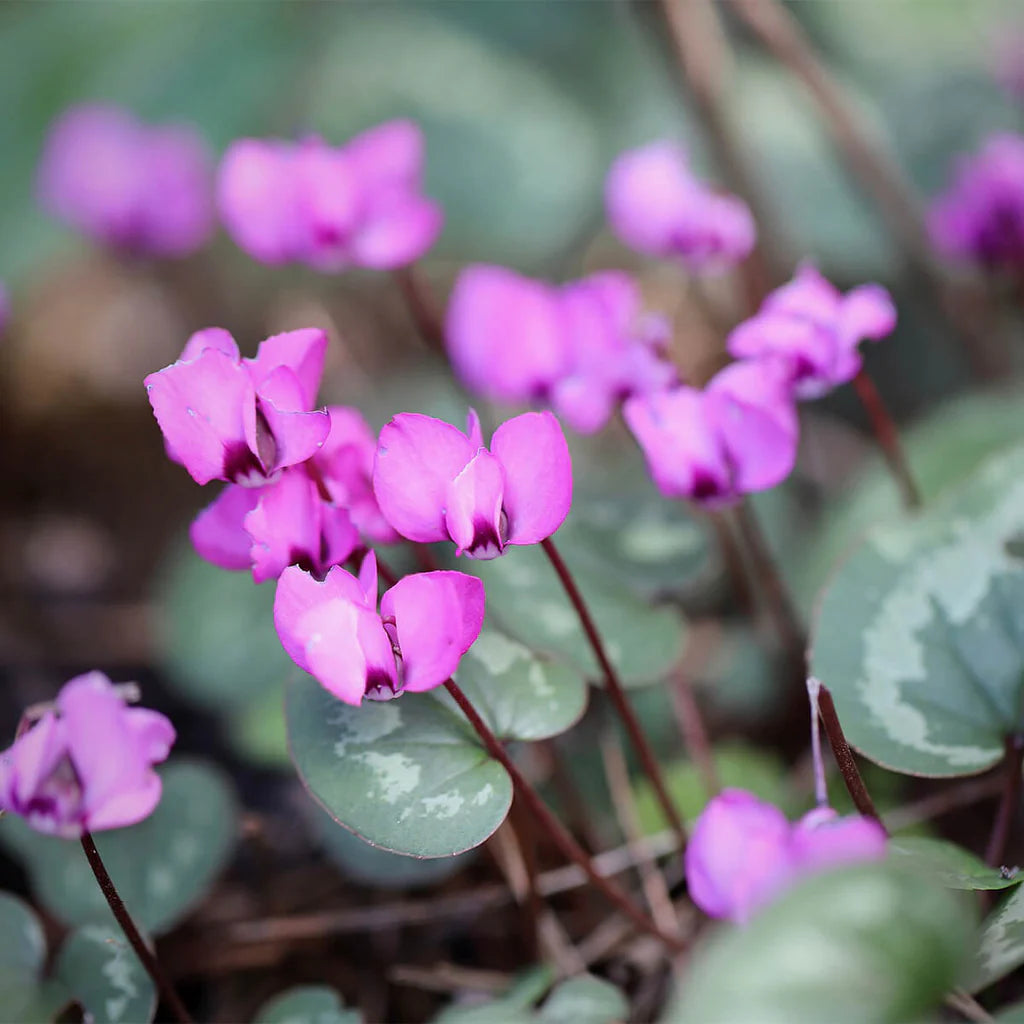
(22, 952)
(97, 964)
(526, 598)
(307, 1004)
(920, 635)
(162, 867)
(948, 864)
(584, 1000)
(1001, 946)
(870, 943)
(1013, 1014)
(513, 1007)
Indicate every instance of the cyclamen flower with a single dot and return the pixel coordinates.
(241, 420)
(582, 347)
(146, 189)
(981, 216)
(815, 330)
(743, 852)
(435, 483)
(657, 206)
(736, 436)
(332, 629)
(330, 207)
(88, 764)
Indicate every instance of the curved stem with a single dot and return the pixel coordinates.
(554, 828)
(888, 437)
(422, 308)
(131, 933)
(616, 692)
(1008, 804)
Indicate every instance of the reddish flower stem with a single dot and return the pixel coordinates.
(131, 933)
(888, 437)
(616, 692)
(1010, 802)
(844, 757)
(421, 305)
(553, 828)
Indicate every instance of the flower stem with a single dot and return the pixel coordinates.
(554, 828)
(616, 692)
(888, 437)
(131, 933)
(422, 308)
(844, 756)
(1008, 805)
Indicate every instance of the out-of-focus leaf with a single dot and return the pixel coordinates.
(22, 952)
(584, 1000)
(1001, 947)
(307, 1004)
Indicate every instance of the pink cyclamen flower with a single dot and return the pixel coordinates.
(657, 206)
(815, 330)
(333, 631)
(981, 216)
(360, 204)
(582, 347)
(241, 420)
(736, 436)
(146, 189)
(743, 852)
(88, 764)
(435, 483)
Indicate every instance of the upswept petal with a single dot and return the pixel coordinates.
(389, 154)
(437, 616)
(538, 475)
(584, 406)
(473, 507)
(866, 312)
(397, 233)
(209, 337)
(285, 526)
(200, 406)
(417, 457)
(302, 351)
(153, 731)
(30, 760)
(821, 840)
(218, 533)
(296, 434)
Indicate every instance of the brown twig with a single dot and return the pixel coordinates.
(554, 828)
(695, 734)
(1009, 804)
(950, 798)
(131, 933)
(844, 757)
(421, 305)
(887, 434)
(616, 692)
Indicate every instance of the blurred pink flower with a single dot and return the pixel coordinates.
(736, 436)
(332, 629)
(743, 852)
(435, 483)
(145, 189)
(815, 330)
(582, 347)
(360, 204)
(657, 206)
(88, 764)
(241, 420)
(980, 217)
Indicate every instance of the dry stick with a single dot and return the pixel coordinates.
(422, 308)
(613, 685)
(844, 757)
(888, 437)
(695, 734)
(1008, 805)
(131, 933)
(554, 828)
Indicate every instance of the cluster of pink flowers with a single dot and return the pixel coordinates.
(86, 764)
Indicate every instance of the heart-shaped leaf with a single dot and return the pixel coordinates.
(22, 953)
(949, 865)
(307, 1004)
(584, 1000)
(1001, 946)
(410, 775)
(162, 867)
(866, 943)
(526, 598)
(920, 635)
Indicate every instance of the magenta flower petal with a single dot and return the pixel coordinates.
(391, 154)
(867, 312)
(534, 454)
(302, 351)
(25, 766)
(738, 856)
(218, 533)
(294, 434)
(398, 233)
(200, 407)
(821, 840)
(417, 458)
(504, 334)
(473, 507)
(209, 337)
(437, 617)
